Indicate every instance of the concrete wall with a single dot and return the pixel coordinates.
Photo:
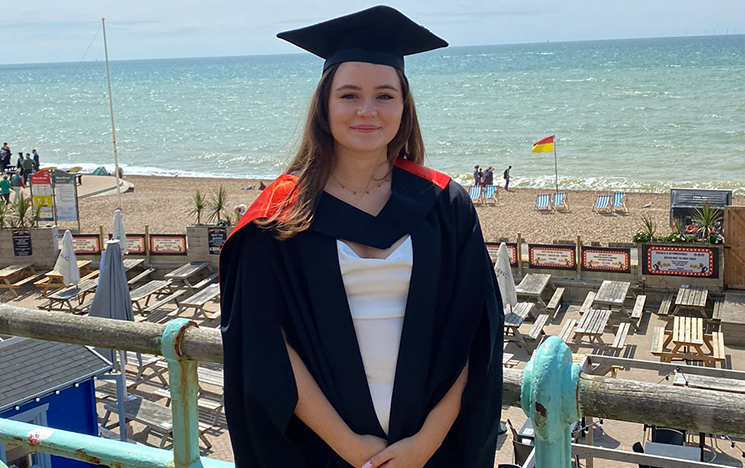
(44, 247)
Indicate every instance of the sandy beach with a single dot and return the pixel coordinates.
(163, 203)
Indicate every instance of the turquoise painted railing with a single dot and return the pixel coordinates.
(551, 390)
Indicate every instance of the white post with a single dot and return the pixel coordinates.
(111, 109)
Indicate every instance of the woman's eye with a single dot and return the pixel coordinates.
(348, 96)
(385, 97)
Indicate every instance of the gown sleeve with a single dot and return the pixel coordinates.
(260, 390)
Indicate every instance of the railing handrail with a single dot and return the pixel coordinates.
(610, 398)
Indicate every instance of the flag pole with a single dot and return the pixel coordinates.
(556, 166)
(111, 111)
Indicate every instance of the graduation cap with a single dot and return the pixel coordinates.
(380, 35)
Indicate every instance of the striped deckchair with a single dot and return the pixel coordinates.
(560, 201)
(490, 193)
(602, 204)
(543, 202)
(476, 194)
(618, 203)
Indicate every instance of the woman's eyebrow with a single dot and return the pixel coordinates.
(357, 88)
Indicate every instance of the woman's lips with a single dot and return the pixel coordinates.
(365, 128)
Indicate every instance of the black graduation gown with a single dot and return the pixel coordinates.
(453, 315)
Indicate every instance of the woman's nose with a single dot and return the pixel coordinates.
(367, 108)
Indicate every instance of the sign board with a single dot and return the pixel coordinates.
(86, 244)
(136, 244)
(700, 262)
(606, 259)
(161, 244)
(493, 249)
(66, 196)
(22, 243)
(216, 237)
(42, 194)
(557, 257)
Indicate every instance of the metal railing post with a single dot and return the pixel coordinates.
(183, 382)
(549, 396)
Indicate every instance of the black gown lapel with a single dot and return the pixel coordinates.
(415, 350)
(337, 336)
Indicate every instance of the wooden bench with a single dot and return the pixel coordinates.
(555, 303)
(638, 312)
(537, 330)
(620, 340)
(205, 281)
(658, 339)
(587, 305)
(567, 331)
(717, 343)
(204, 402)
(142, 276)
(198, 301)
(716, 314)
(161, 302)
(665, 305)
(33, 278)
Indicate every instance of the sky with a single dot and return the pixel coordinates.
(36, 31)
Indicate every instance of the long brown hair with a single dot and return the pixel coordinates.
(315, 158)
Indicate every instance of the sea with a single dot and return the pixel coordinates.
(635, 115)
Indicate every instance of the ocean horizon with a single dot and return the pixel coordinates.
(631, 114)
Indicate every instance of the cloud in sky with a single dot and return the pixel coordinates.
(48, 30)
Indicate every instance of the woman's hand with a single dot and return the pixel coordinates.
(362, 448)
(412, 452)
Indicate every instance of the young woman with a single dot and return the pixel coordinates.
(360, 314)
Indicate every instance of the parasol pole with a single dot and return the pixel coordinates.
(111, 109)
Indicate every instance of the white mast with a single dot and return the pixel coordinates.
(111, 109)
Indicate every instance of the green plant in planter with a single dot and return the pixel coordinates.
(218, 206)
(705, 219)
(36, 214)
(4, 215)
(646, 232)
(22, 212)
(198, 205)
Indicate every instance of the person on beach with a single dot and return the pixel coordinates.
(19, 163)
(28, 167)
(239, 211)
(5, 189)
(361, 319)
(489, 176)
(507, 179)
(4, 157)
(16, 182)
(35, 156)
(476, 180)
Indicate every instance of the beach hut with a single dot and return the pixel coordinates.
(48, 384)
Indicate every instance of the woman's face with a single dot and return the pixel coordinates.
(365, 106)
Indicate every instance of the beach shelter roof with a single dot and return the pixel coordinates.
(67, 264)
(504, 277)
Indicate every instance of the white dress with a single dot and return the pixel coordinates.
(377, 290)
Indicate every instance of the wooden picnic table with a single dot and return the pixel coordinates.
(65, 296)
(54, 279)
(152, 415)
(704, 382)
(688, 341)
(592, 326)
(130, 263)
(533, 285)
(10, 276)
(198, 301)
(613, 294)
(147, 290)
(691, 298)
(513, 320)
(184, 272)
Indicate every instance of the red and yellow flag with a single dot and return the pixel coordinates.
(544, 146)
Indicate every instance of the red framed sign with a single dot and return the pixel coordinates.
(557, 257)
(606, 259)
(493, 248)
(136, 244)
(165, 244)
(86, 244)
(702, 262)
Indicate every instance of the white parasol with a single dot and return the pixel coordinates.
(504, 278)
(67, 264)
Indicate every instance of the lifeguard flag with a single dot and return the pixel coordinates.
(544, 146)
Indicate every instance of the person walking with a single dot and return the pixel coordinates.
(476, 180)
(4, 157)
(361, 318)
(28, 168)
(16, 182)
(507, 179)
(5, 189)
(35, 157)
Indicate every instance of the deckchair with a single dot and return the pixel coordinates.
(560, 201)
(602, 204)
(476, 193)
(490, 193)
(618, 203)
(543, 202)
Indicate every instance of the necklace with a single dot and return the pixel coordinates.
(365, 191)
